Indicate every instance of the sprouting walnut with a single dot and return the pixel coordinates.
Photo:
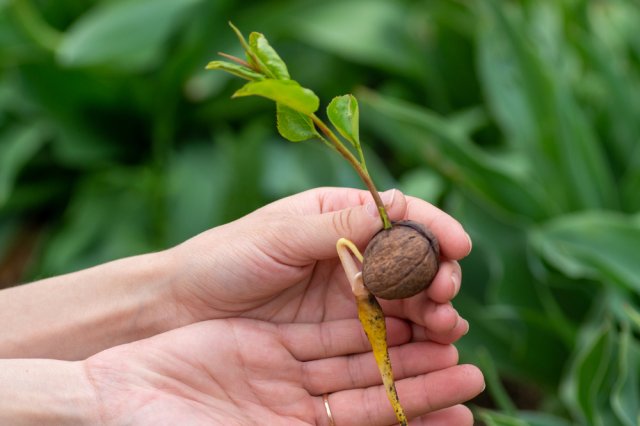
(401, 261)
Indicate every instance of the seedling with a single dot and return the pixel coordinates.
(402, 259)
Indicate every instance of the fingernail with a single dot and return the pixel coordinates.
(455, 279)
(467, 326)
(386, 198)
(470, 243)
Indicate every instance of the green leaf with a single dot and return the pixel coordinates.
(193, 198)
(270, 62)
(293, 125)
(235, 69)
(541, 117)
(422, 183)
(522, 418)
(493, 418)
(586, 387)
(344, 115)
(421, 134)
(626, 396)
(16, 148)
(286, 92)
(129, 34)
(92, 233)
(376, 37)
(595, 245)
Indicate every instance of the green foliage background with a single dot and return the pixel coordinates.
(520, 118)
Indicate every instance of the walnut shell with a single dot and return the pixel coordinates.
(402, 261)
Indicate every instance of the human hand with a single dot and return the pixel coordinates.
(245, 372)
(279, 263)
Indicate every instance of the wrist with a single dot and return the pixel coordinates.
(39, 391)
(79, 314)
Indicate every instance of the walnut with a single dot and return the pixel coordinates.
(402, 261)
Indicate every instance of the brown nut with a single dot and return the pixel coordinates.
(402, 261)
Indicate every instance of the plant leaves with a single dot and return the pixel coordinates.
(235, 69)
(193, 198)
(420, 133)
(595, 245)
(344, 115)
(540, 116)
(92, 233)
(374, 38)
(270, 62)
(586, 386)
(286, 92)
(522, 418)
(625, 396)
(127, 34)
(293, 125)
(16, 148)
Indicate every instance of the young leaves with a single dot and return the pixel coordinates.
(286, 92)
(293, 125)
(269, 78)
(235, 69)
(269, 60)
(343, 114)
(296, 106)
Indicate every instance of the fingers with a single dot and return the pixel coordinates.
(360, 370)
(458, 415)
(336, 338)
(422, 334)
(455, 243)
(431, 309)
(418, 395)
(324, 215)
(307, 226)
(439, 322)
(446, 284)
(313, 236)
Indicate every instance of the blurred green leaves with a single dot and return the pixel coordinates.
(537, 112)
(594, 245)
(518, 118)
(549, 203)
(126, 34)
(17, 147)
(491, 179)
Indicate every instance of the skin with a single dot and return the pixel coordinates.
(142, 330)
(304, 273)
(224, 380)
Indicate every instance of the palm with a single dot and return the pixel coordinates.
(281, 264)
(201, 377)
(248, 372)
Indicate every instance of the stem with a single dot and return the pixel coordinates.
(359, 168)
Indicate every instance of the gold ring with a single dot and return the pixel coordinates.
(325, 399)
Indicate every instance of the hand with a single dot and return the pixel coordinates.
(280, 263)
(245, 372)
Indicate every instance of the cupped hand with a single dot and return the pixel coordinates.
(280, 264)
(245, 372)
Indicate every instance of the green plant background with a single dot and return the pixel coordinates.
(520, 118)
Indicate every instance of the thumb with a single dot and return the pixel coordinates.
(358, 224)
